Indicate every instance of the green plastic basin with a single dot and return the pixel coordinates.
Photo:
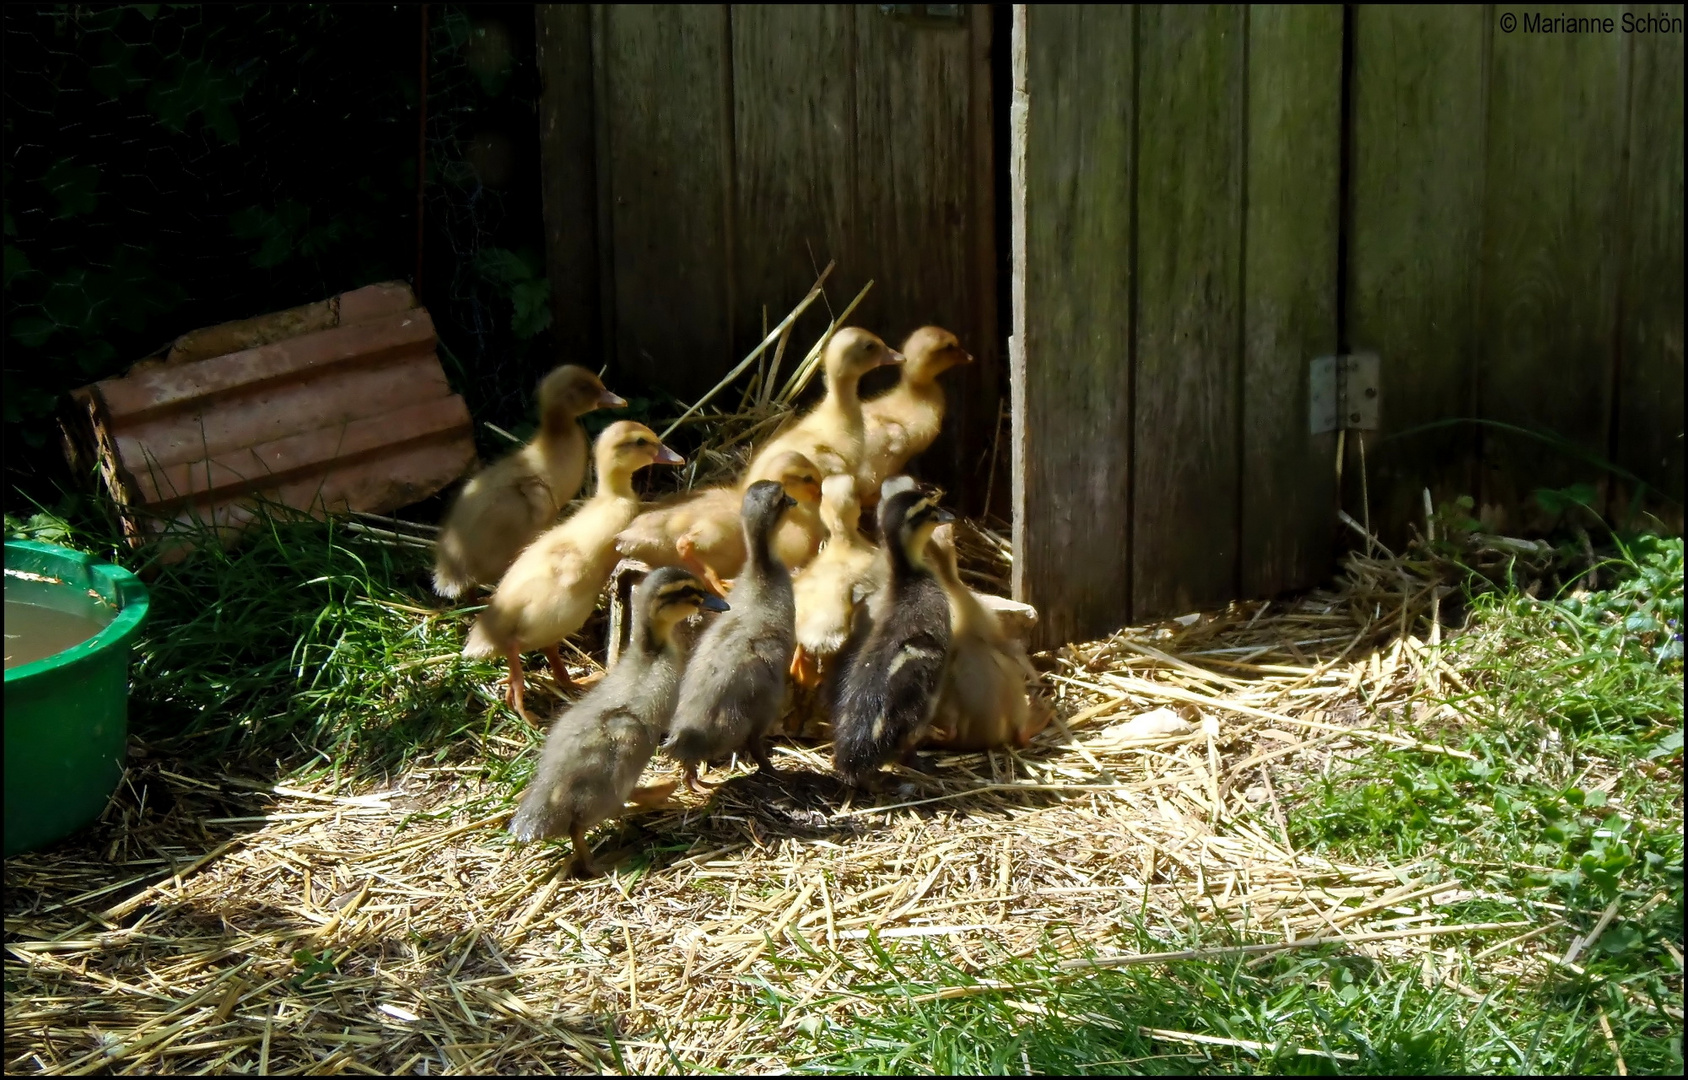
(67, 715)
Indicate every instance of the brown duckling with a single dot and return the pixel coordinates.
(903, 421)
(597, 749)
(844, 574)
(505, 505)
(553, 586)
(888, 690)
(830, 434)
(702, 531)
(983, 702)
(735, 684)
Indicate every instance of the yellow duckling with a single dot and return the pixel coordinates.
(553, 586)
(505, 505)
(845, 573)
(831, 434)
(982, 703)
(702, 532)
(903, 421)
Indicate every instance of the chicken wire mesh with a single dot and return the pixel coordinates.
(173, 166)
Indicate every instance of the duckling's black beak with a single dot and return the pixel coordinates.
(941, 516)
(711, 602)
(665, 456)
(787, 502)
(607, 400)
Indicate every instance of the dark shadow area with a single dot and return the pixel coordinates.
(171, 168)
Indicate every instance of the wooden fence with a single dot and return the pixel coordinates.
(1204, 200)
(702, 162)
(1207, 198)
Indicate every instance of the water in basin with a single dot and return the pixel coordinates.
(34, 632)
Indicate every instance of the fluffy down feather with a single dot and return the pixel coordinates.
(732, 691)
(596, 750)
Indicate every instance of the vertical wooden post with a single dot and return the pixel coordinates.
(1289, 313)
(1647, 435)
(1552, 223)
(1017, 464)
(665, 133)
(568, 178)
(1416, 206)
(1189, 238)
(1074, 275)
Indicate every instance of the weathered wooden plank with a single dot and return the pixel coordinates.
(568, 176)
(1414, 221)
(1072, 399)
(794, 134)
(667, 122)
(1189, 269)
(1552, 216)
(1648, 436)
(916, 232)
(1018, 448)
(982, 389)
(1289, 291)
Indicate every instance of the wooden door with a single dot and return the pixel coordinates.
(1175, 258)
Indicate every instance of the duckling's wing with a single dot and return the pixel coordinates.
(493, 518)
(573, 775)
(916, 672)
(735, 681)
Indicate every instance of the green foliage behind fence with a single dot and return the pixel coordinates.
(173, 166)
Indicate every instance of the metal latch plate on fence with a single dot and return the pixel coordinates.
(1343, 393)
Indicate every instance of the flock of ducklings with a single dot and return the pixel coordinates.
(909, 654)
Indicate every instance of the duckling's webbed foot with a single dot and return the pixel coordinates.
(653, 795)
(565, 685)
(686, 548)
(514, 684)
(582, 866)
(1041, 713)
(758, 750)
(693, 784)
(805, 669)
(554, 657)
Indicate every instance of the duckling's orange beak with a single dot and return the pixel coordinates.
(607, 400)
(665, 456)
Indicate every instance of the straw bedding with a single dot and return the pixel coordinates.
(222, 922)
(398, 929)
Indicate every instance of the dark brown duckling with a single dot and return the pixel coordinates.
(733, 688)
(886, 695)
(596, 750)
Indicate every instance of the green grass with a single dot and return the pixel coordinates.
(295, 650)
(1575, 717)
(1308, 1012)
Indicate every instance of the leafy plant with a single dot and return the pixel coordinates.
(314, 969)
(529, 290)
